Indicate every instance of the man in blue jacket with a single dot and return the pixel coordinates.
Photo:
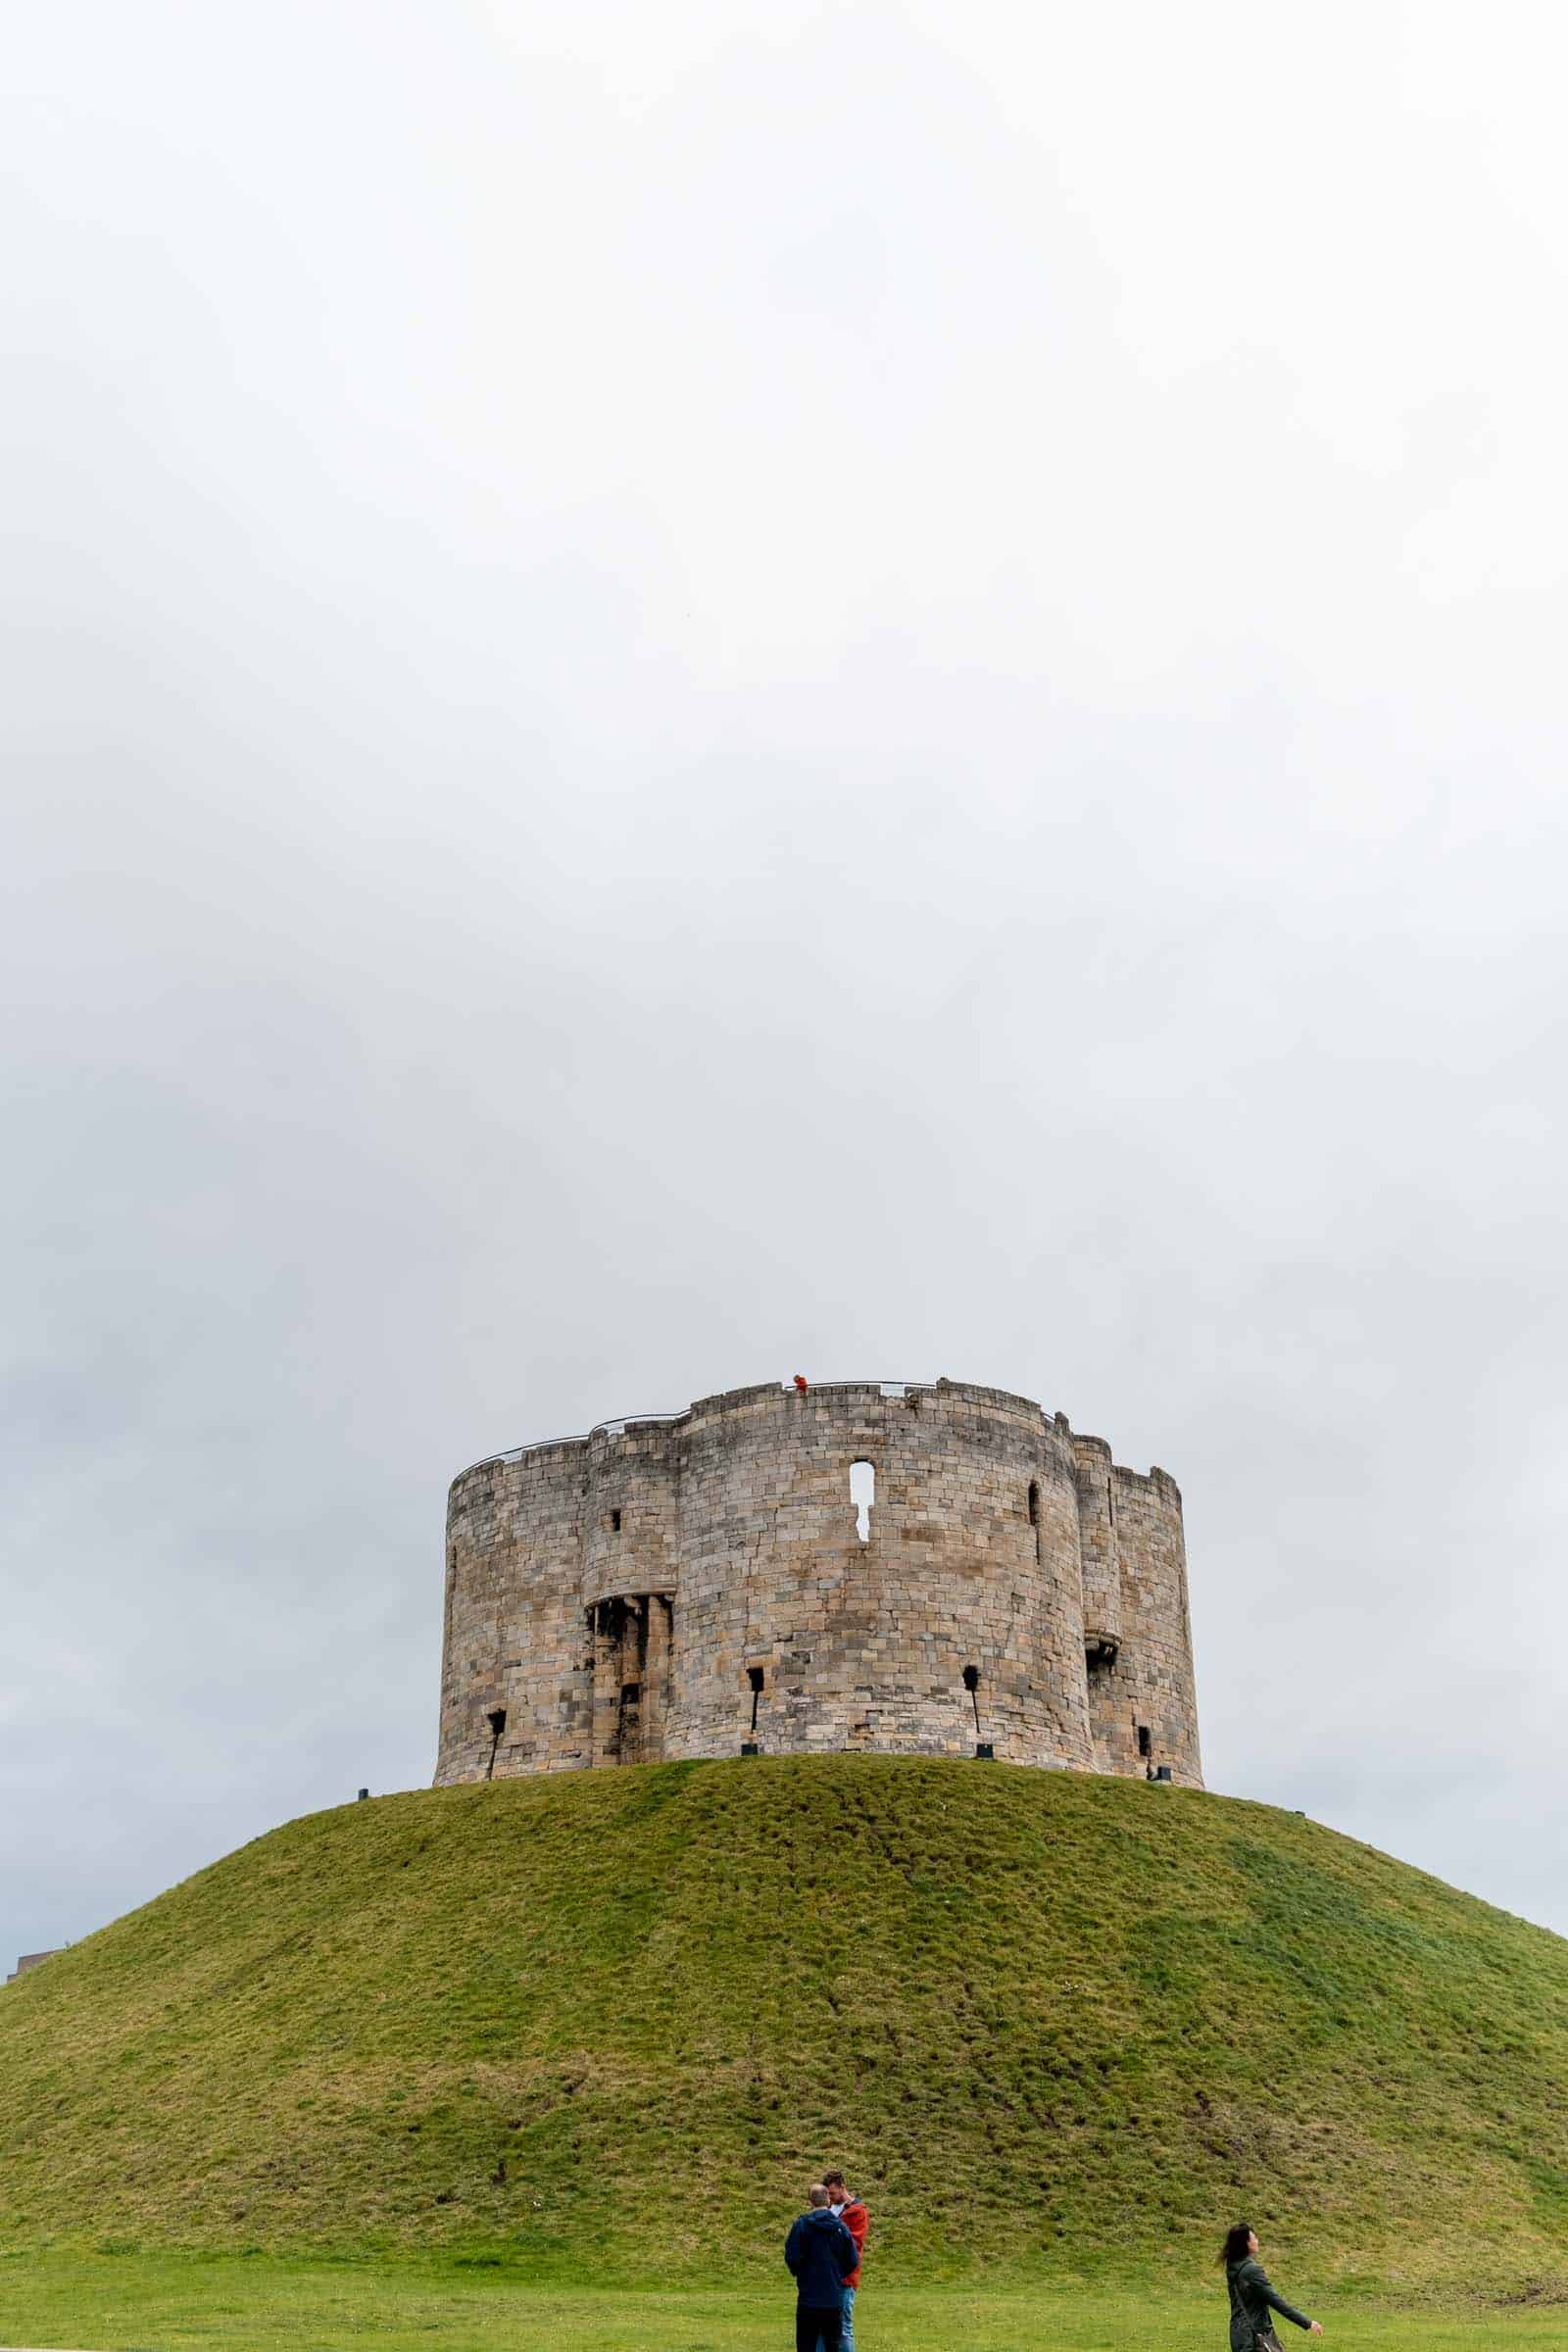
(821, 2254)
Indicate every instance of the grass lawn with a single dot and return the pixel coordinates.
(505, 2019)
(136, 2303)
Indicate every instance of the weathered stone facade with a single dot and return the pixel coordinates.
(31, 1960)
(704, 1584)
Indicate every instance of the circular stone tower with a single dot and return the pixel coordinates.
(918, 1569)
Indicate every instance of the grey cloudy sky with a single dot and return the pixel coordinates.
(704, 690)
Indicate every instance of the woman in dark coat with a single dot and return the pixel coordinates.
(1253, 2299)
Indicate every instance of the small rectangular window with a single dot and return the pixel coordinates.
(615, 1522)
(862, 1493)
(1146, 1740)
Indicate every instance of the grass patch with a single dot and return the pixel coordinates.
(103, 2304)
(1059, 2026)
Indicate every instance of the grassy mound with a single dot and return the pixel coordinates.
(611, 2022)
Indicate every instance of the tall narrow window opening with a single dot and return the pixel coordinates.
(1034, 1514)
(1146, 1740)
(754, 1675)
(971, 1682)
(862, 1493)
(497, 1720)
(615, 1522)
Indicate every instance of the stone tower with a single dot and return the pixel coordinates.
(916, 1569)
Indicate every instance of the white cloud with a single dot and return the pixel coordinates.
(732, 687)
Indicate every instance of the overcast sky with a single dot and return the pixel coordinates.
(704, 690)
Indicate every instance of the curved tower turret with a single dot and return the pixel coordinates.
(922, 1569)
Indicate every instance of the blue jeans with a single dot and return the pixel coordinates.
(847, 2339)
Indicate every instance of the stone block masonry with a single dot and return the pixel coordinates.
(32, 1960)
(708, 1583)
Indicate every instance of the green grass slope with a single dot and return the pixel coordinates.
(611, 2022)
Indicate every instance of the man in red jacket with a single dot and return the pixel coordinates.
(852, 2214)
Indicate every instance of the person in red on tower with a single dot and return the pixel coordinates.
(852, 2214)
(800, 1383)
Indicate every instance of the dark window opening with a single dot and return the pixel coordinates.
(1146, 1740)
(497, 1720)
(1034, 1514)
(971, 1682)
(615, 1522)
(754, 1675)
(630, 1692)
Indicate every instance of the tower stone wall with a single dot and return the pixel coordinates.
(692, 1586)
